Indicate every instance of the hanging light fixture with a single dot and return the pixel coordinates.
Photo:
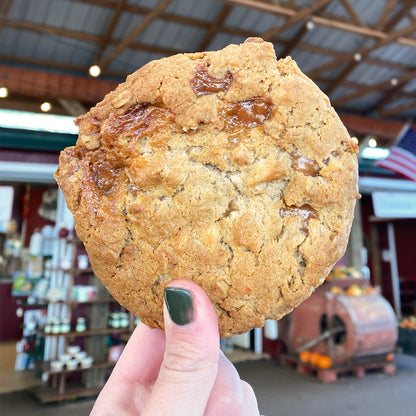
(94, 70)
(4, 92)
(46, 106)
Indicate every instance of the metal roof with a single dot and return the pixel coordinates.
(361, 53)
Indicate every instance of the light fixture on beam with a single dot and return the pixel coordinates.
(4, 92)
(310, 25)
(354, 139)
(357, 57)
(46, 106)
(394, 82)
(372, 142)
(94, 70)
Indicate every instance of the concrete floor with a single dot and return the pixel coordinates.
(281, 391)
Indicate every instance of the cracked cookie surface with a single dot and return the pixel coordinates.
(229, 168)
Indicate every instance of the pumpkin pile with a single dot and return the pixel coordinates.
(353, 290)
(409, 322)
(317, 360)
(342, 272)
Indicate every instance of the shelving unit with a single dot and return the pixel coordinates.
(60, 385)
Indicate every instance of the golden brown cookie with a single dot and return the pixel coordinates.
(229, 168)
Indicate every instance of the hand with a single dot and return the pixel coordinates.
(180, 371)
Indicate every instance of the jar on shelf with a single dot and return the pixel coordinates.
(56, 326)
(115, 320)
(124, 320)
(48, 326)
(80, 326)
(65, 326)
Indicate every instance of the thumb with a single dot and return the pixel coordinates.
(190, 364)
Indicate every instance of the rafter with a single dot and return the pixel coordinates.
(352, 13)
(372, 88)
(390, 94)
(399, 109)
(107, 37)
(386, 14)
(148, 19)
(303, 14)
(294, 41)
(364, 51)
(328, 21)
(216, 24)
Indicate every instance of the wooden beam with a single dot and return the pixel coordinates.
(391, 93)
(294, 41)
(352, 13)
(386, 14)
(265, 7)
(4, 11)
(381, 86)
(53, 85)
(328, 21)
(394, 20)
(216, 24)
(302, 14)
(72, 107)
(360, 125)
(107, 37)
(51, 30)
(148, 19)
(399, 109)
(364, 51)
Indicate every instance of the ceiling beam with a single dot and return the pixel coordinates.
(107, 37)
(364, 51)
(360, 125)
(147, 20)
(295, 41)
(215, 27)
(355, 18)
(386, 14)
(399, 109)
(72, 107)
(50, 85)
(302, 14)
(381, 86)
(328, 21)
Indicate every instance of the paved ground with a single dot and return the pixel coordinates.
(282, 391)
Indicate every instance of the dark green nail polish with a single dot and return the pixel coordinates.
(179, 304)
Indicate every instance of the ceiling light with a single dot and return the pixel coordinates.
(45, 107)
(372, 143)
(354, 139)
(394, 82)
(310, 25)
(358, 57)
(95, 70)
(3, 92)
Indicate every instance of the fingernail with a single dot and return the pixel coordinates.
(179, 304)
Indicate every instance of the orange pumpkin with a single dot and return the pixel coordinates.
(304, 356)
(324, 362)
(314, 358)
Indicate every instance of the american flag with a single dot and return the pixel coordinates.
(402, 158)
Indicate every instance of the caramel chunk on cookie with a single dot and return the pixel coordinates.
(229, 168)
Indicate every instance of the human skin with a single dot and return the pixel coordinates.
(180, 371)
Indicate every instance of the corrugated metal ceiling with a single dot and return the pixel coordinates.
(65, 35)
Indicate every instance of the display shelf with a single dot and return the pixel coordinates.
(95, 312)
(47, 394)
(87, 333)
(45, 367)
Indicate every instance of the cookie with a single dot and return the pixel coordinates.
(229, 168)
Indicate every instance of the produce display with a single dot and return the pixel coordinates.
(408, 322)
